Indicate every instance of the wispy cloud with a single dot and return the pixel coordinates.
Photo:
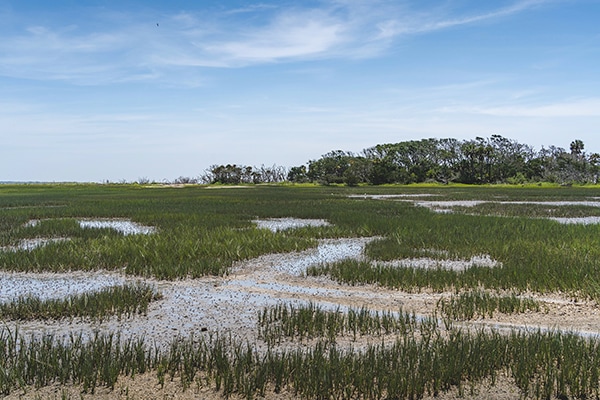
(69, 54)
(252, 8)
(515, 8)
(587, 107)
(291, 35)
(131, 48)
(425, 22)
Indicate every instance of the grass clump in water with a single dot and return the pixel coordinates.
(125, 300)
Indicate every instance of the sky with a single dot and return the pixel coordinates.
(107, 90)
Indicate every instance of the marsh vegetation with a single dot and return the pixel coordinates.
(122, 301)
(367, 323)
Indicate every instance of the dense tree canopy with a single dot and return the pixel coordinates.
(477, 161)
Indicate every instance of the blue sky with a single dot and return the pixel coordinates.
(122, 90)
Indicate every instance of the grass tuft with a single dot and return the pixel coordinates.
(125, 300)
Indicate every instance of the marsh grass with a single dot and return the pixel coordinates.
(534, 254)
(199, 232)
(481, 304)
(543, 364)
(205, 231)
(45, 360)
(184, 252)
(121, 301)
(304, 322)
(530, 210)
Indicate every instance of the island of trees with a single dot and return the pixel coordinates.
(478, 161)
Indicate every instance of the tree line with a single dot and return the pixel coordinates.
(478, 161)
(495, 159)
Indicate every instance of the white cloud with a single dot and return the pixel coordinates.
(70, 55)
(424, 22)
(589, 107)
(517, 7)
(116, 48)
(251, 8)
(289, 36)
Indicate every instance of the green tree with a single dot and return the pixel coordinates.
(358, 171)
(476, 164)
(225, 174)
(383, 171)
(330, 168)
(577, 147)
(297, 174)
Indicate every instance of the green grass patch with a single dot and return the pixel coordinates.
(530, 210)
(304, 322)
(121, 301)
(202, 231)
(543, 364)
(481, 304)
(89, 362)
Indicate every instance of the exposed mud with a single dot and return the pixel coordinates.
(454, 265)
(125, 226)
(280, 224)
(30, 244)
(230, 305)
(55, 285)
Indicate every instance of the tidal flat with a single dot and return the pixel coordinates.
(497, 268)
